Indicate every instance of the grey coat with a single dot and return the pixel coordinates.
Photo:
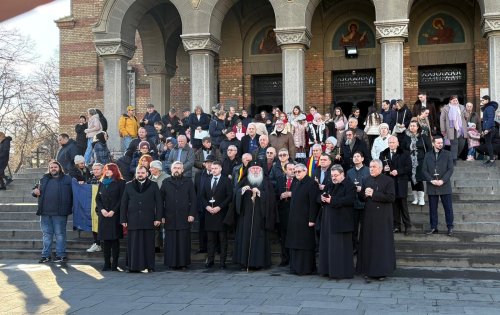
(446, 129)
(187, 158)
(442, 166)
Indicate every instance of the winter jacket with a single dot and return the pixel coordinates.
(4, 153)
(66, 155)
(128, 126)
(152, 118)
(94, 126)
(62, 201)
(489, 115)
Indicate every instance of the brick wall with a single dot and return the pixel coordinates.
(231, 85)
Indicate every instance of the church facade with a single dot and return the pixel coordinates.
(255, 54)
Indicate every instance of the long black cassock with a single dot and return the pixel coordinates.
(141, 205)
(179, 202)
(251, 243)
(337, 224)
(377, 255)
(300, 238)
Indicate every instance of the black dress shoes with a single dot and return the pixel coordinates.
(450, 232)
(407, 231)
(432, 231)
(396, 230)
(106, 268)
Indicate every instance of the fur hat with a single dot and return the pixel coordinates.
(79, 159)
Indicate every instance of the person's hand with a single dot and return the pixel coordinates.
(244, 189)
(337, 157)
(110, 213)
(216, 209)
(394, 173)
(190, 219)
(198, 128)
(358, 188)
(209, 209)
(311, 224)
(124, 224)
(387, 168)
(163, 220)
(104, 212)
(169, 126)
(321, 187)
(326, 199)
(36, 192)
(146, 121)
(157, 223)
(369, 192)
(81, 182)
(256, 191)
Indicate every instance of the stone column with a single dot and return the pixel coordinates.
(116, 95)
(391, 35)
(159, 85)
(202, 49)
(491, 30)
(293, 44)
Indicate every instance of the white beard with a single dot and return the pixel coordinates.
(348, 142)
(255, 180)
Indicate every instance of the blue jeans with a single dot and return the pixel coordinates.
(126, 142)
(88, 152)
(448, 210)
(53, 224)
(472, 151)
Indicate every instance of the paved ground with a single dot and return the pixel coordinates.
(26, 287)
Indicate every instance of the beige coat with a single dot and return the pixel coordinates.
(447, 130)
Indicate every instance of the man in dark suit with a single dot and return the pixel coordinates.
(283, 188)
(216, 196)
(322, 173)
(437, 171)
(398, 166)
(421, 103)
(200, 179)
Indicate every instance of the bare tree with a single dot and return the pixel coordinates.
(29, 105)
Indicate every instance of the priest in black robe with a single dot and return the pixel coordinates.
(377, 254)
(140, 213)
(300, 238)
(337, 225)
(179, 209)
(255, 216)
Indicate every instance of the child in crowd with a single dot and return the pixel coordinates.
(473, 141)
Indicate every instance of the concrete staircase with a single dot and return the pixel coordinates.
(476, 242)
(476, 206)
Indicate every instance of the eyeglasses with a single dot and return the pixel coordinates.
(269, 152)
(282, 155)
(299, 171)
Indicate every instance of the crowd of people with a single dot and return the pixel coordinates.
(331, 184)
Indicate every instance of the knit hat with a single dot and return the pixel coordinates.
(471, 125)
(130, 107)
(156, 164)
(333, 140)
(143, 143)
(79, 159)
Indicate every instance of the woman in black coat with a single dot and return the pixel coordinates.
(108, 199)
(337, 225)
(4, 157)
(198, 121)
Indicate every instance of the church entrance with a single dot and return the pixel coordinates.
(267, 92)
(439, 82)
(356, 88)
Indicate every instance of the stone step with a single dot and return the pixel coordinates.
(36, 233)
(447, 261)
(460, 206)
(19, 207)
(477, 182)
(25, 199)
(26, 224)
(459, 217)
(466, 174)
(20, 243)
(451, 248)
(16, 215)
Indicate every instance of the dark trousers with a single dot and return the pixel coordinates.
(418, 186)
(448, 210)
(285, 252)
(358, 223)
(400, 211)
(111, 248)
(212, 237)
(488, 141)
(202, 234)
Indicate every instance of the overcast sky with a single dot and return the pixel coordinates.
(40, 26)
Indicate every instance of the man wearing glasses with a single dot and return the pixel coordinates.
(301, 240)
